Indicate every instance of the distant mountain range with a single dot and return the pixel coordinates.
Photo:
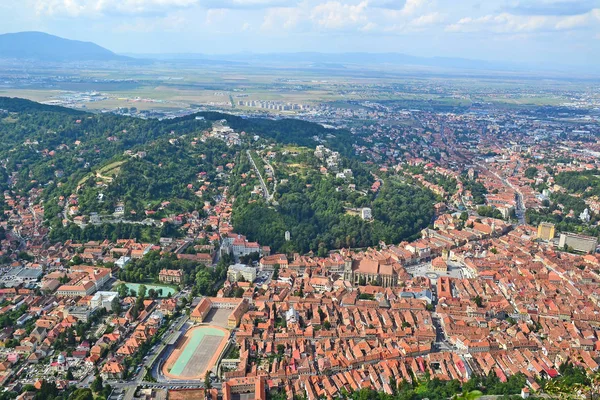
(334, 60)
(43, 47)
(46, 48)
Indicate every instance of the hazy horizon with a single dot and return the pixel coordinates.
(535, 32)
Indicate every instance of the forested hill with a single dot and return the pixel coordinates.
(289, 131)
(68, 152)
(15, 104)
(44, 47)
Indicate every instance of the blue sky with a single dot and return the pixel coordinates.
(532, 31)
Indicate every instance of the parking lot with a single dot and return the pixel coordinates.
(263, 277)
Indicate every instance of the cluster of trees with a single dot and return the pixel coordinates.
(139, 302)
(447, 182)
(564, 223)
(67, 340)
(579, 182)
(147, 268)
(314, 212)
(162, 175)
(531, 172)
(143, 233)
(10, 318)
(49, 391)
(488, 211)
(204, 278)
(52, 159)
(436, 389)
(477, 190)
(56, 129)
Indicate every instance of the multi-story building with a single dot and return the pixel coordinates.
(170, 276)
(546, 231)
(238, 271)
(103, 300)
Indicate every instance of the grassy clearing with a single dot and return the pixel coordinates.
(108, 171)
(10, 120)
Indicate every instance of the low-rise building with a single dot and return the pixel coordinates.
(581, 243)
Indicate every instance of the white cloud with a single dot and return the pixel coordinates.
(215, 16)
(336, 15)
(427, 19)
(510, 23)
(412, 6)
(247, 4)
(370, 26)
(146, 25)
(281, 18)
(76, 8)
(573, 21)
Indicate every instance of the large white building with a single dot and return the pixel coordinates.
(103, 300)
(238, 271)
(238, 246)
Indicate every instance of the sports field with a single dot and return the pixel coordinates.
(197, 353)
(166, 290)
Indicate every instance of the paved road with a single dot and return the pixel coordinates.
(266, 193)
(520, 209)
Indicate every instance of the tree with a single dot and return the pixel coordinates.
(280, 349)
(115, 305)
(207, 381)
(97, 384)
(69, 376)
(82, 394)
(478, 301)
(142, 291)
(531, 172)
(122, 290)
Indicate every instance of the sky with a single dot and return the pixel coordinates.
(562, 32)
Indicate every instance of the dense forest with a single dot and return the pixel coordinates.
(314, 209)
(153, 169)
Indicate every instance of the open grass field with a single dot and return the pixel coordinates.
(106, 173)
(197, 353)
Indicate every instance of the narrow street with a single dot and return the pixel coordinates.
(267, 195)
